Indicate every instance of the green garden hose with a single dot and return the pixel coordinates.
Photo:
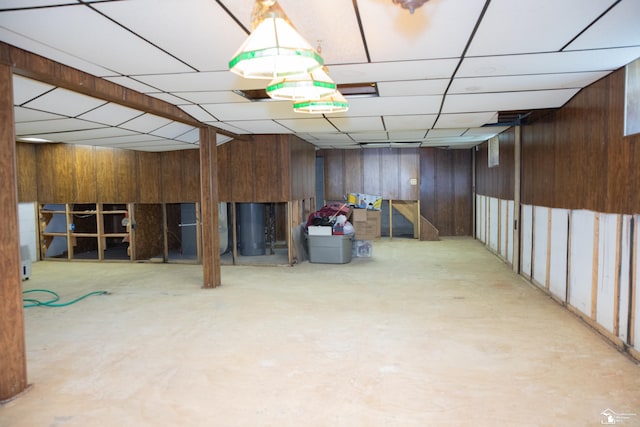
(53, 302)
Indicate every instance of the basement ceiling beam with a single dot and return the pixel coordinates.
(39, 68)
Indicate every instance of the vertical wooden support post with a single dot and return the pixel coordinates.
(516, 199)
(13, 358)
(209, 205)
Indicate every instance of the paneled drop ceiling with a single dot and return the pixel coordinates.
(444, 74)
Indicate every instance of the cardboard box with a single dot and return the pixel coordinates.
(320, 230)
(370, 227)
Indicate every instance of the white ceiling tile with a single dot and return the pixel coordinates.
(394, 105)
(524, 82)
(330, 137)
(407, 135)
(212, 97)
(486, 132)
(357, 124)
(172, 130)
(409, 122)
(145, 123)
(49, 126)
(260, 126)
(65, 102)
(84, 135)
(413, 87)
(393, 71)
(464, 120)
(52, 26)
(203, 81)
(191, 137)
(548, 63)
(253, 111)
(22, 114)
(369, 136)
(308, 125)
(186, 32)
(510, 27)
(25, 89)
(111, 114)
(441, 133)
(507, 101)
(197, 112)
(619, 27)
(44, 49)
(228, 127)
(395, 35)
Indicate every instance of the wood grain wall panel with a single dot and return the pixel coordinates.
(577, 156)
(303, 169)
(428, 183)
(45, 173)
(496, 181)
(389, 174)
(149, 238)
(127, 191)
(241, 166)
(267, 174)
(85, 174)
(372, 171)
(334, 173)
(462, 196)
(149, 177)
(409, 169)
(171, 171)
(106, 174)
(353, 172)
(65, 173)
(190, 175)
(224, 172)
(26, 171)
(445, 190)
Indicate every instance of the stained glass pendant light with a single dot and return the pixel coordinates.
(335, 103)
(274, 49)
(312, 85)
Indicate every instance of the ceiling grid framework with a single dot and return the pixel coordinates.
(443, 74)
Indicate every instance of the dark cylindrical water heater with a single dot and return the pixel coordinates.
(251, 241)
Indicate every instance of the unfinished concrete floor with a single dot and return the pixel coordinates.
(422, 334)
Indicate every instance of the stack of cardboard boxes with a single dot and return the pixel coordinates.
(367, 224)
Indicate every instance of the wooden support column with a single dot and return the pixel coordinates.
(13, 358)
(209, 206)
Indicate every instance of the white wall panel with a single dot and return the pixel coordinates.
(480, 218)
(526, 241)
(607, 270)
(27, 225)
(581, 260)
(539, 262)
(510, 212)
(494, 223)
(504, 225)
(625, 271)
(558, 258)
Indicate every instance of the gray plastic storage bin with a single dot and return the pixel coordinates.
(330, 249)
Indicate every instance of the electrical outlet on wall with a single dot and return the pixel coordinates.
(413, 181)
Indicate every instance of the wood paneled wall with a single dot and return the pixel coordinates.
(270, 168)
(445, 190)
(578, 158)
(381, 171)
(497, 181)
(64, 173)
